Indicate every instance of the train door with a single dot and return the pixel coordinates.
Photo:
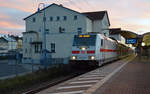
(102, 50)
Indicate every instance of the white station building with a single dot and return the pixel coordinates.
(61, 25)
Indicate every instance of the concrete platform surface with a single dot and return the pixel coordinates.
(134, 78)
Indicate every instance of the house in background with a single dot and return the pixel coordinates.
(18, 40)
(61, 25)
(7, 44)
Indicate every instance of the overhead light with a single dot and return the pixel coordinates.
(143, 43)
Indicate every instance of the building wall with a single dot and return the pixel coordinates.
(105, 25)
(63, 45)
(63, 41)
(101, 26)
(28, 50)
(89, 25)
(116, 36)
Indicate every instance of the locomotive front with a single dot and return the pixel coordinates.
(83, 50)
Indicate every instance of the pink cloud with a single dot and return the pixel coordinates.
(4, 32)
(9, 24)
(4, 16)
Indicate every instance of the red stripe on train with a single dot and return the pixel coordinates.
(91, 52)
(75, 52)
(107, 50)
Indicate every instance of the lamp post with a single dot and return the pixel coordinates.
(44, 57)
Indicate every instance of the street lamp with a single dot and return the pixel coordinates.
(44, 36)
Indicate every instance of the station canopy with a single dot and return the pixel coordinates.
(145, 38)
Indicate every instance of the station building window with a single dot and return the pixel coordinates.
(79, 30)
(75, 17)
(58, 18)
(44, 19)
(36, 48)
(30, 39)
(53, 47)
(65, 18)
(25, 40)
(26, 50)
(33, 19)
(51, 19)
(63, 29)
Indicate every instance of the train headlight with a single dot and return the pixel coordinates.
(83, 48)
(92, 57)
(74, 57)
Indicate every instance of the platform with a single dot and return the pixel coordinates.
(89, 82)
(134, 78)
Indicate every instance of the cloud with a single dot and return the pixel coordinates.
(132, 15)
(9, 25)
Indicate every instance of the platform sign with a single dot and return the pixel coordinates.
(131, 41)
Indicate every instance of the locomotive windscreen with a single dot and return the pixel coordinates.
(84, 41)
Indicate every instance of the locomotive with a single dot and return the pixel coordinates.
(96, 50)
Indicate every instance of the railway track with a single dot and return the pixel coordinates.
(55, 82)
(80, 83)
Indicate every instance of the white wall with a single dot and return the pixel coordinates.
(63, 40)
(101, 26)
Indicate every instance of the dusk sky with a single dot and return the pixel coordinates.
(132, 15)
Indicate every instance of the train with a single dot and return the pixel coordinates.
(96, 50)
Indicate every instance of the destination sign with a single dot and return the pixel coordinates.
(131, 41)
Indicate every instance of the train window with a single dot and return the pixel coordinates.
(84, 41)
(101, 42)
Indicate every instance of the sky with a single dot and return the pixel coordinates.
(132, 15)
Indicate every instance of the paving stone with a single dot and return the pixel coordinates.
(133, 79)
